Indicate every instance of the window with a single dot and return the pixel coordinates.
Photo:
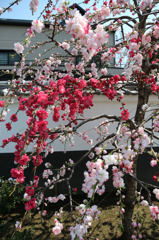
(95, 59)
(8, 57)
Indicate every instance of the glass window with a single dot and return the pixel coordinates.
(8, 57)
(3, 58)
(13, 57)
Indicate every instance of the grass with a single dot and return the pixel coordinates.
(40, 228)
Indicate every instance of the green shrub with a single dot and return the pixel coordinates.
(11, 194)
(26, 234)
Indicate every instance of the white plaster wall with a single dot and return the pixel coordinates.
(101, 106)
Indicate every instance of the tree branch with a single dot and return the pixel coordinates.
(141, 183)
(150, 67)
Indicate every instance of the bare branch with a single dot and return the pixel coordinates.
(150, 133)
(10, 5)
(70, 197)
(121, 17)
(111, 136)
(141, 183)
(151, 67)
(115, 118)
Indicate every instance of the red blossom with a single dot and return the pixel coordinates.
(18, 174)
(82, 84)
(131, 53)
(42, 114)
(125, 115)
(56, 114)
(37, 160)
(2, 103)
(14, 118)
(31, 204)
(53, 136)
(155, 178)
(24, 159)
(42, 99)
(42, 126)
(30, 191)
(8, 126)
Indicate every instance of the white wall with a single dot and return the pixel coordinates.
(101, 106)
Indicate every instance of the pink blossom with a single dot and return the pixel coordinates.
(104, 71)
(34, 5)
(154, 212)
(145, 4)
(97, 150)
(122, 210)
(156, 192)
(61, 197)
(26, 197)
(37, 26)
(156, 31)
(153, 163)
(133, 237)
(1, 11)
(144, 203)
(58, 227)
(134, 224)
(48, 63)
(61, 89)
(65, 45)
(18, 48)
(10, 9)
(146, 39)
(18, 224)
(44, 213)
(105, 12)
(78, 25)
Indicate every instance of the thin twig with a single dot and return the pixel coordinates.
(141, 183)
(70, 197)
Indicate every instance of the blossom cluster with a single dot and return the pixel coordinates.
(87, 214)
(34, 5)
(97, 174)
(154, 210)
(92, 40)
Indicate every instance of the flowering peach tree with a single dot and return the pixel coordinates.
(66, 94)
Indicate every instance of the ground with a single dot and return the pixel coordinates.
(105, 228)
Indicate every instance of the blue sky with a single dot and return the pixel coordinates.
(22, 11)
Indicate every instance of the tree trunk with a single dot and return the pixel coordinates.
(143, 96)
(129, 204)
